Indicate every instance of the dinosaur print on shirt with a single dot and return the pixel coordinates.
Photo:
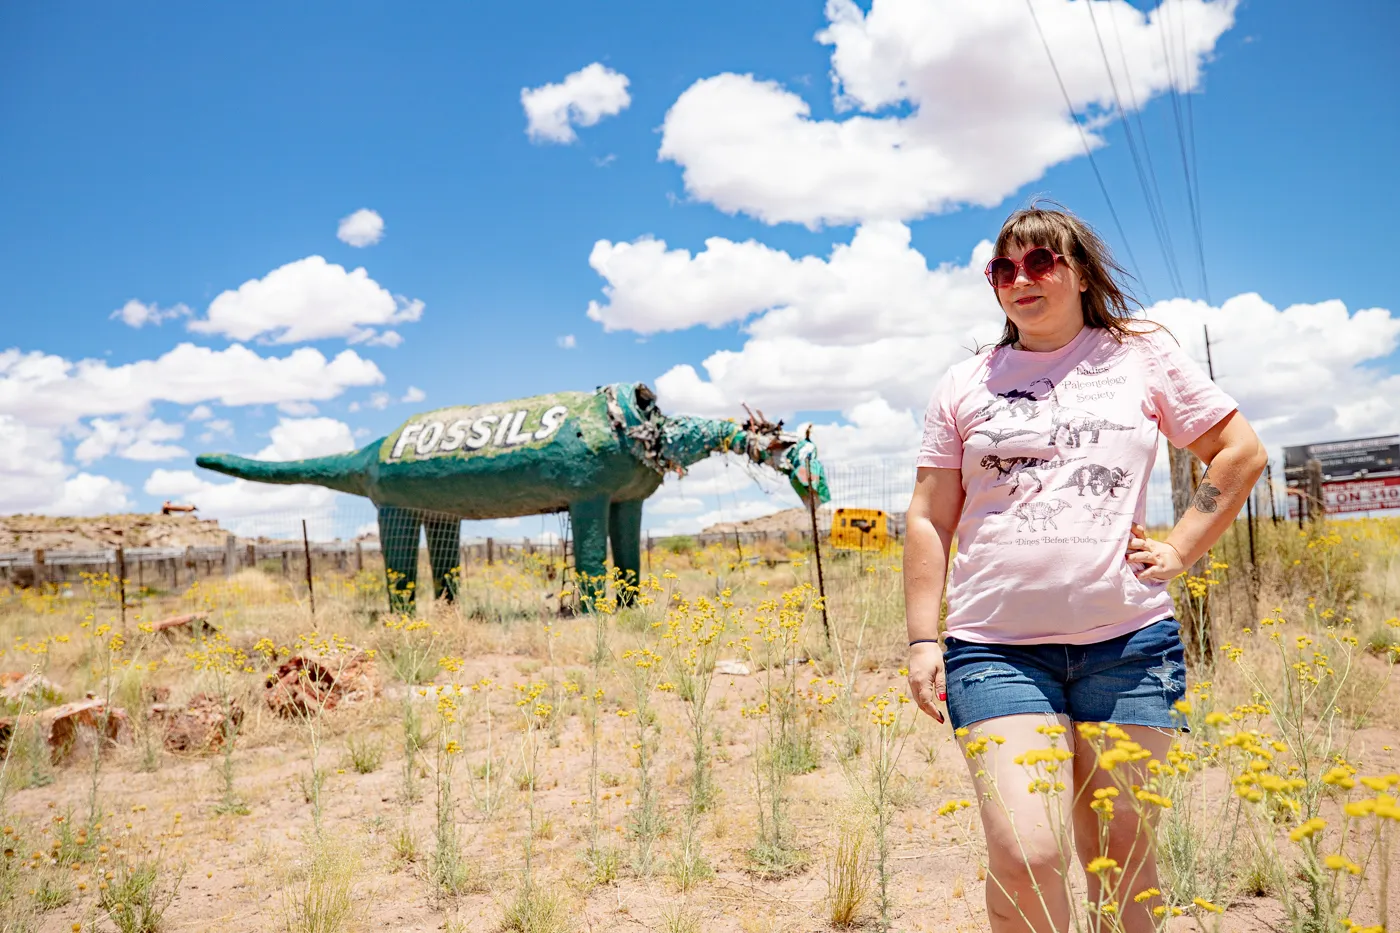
(1013, 469)
(1103, 516)
(1098, 479)
(1044, 511)
(1054, 451)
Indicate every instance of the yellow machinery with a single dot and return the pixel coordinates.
(859, 530)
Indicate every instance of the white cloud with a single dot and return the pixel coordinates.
(872, 431)
(379, 400)
(824, 335)
(300, 438)
(247, 507)
(297, 409)
(414, 394)
(876, 283)
(566, 342)
(200, 413)
(89, 494)
(868, 331)
(980, 112)
(362, 228)
(309, 299)
(38, 480)
(674, 505)
(132, 439)
(219, 427)
(385, 338)
(737, 512)
(48, 390)
(137, 314)
(1303, 373)
(582, 99)
(229, 502)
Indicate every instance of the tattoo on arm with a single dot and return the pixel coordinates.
(1206, 494)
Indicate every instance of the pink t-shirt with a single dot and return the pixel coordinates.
(1055, 450)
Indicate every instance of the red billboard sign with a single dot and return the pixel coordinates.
(1362, 495)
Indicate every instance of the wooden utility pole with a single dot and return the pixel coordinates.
(1186, 476)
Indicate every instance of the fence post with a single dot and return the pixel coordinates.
(490, 551)
(359, 556)
(306, 550)
(251, 553)
(230, 556)
(1269, 477)
(121, 582)
(1253, 564)
(1185, 477)
(1317, 510)
(817, 554)
(286, 568)
(39, 574)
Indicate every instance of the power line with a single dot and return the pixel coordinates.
(1155, 211)
(1186, 162)
(1084, 140)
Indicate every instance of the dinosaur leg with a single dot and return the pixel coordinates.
(398, 541)
(589, 518)
(625, 529)
(444, 534)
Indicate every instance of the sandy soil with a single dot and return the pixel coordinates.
(235, 865)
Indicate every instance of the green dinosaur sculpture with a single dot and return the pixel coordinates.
(597, 455)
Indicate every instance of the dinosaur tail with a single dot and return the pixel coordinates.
(347, 472)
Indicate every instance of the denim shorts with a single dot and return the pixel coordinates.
(1131, 680)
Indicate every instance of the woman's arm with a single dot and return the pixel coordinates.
(931, 522)
(1234, 461)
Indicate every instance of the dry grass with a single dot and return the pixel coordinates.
(375, 868)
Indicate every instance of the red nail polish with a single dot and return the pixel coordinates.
(943, 696)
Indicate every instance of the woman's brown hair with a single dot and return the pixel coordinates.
(1106, 303)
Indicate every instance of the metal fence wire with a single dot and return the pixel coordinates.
(348, 546)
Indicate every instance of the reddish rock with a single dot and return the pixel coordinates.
(18, 686)
(64, 726)
(198, 726)
(190, 623)
(305, 685)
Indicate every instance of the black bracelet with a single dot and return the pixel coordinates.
(920, 641)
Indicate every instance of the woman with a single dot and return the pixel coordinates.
(1036, 455)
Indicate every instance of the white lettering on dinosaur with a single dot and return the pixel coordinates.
(406, 436)
(481, 432)
(427, 438)
(455, 436)
(550, 421)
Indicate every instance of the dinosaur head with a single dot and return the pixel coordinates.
(793, 456)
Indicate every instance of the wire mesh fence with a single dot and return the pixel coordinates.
(350, 552)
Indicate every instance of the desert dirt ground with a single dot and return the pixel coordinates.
(380, 812)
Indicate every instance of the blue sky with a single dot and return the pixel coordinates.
(172, 153)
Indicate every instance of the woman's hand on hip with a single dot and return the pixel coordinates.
(1158, 561)
(927, 684)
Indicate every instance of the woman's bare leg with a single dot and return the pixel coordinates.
(1027, 832)
(1127, 838)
